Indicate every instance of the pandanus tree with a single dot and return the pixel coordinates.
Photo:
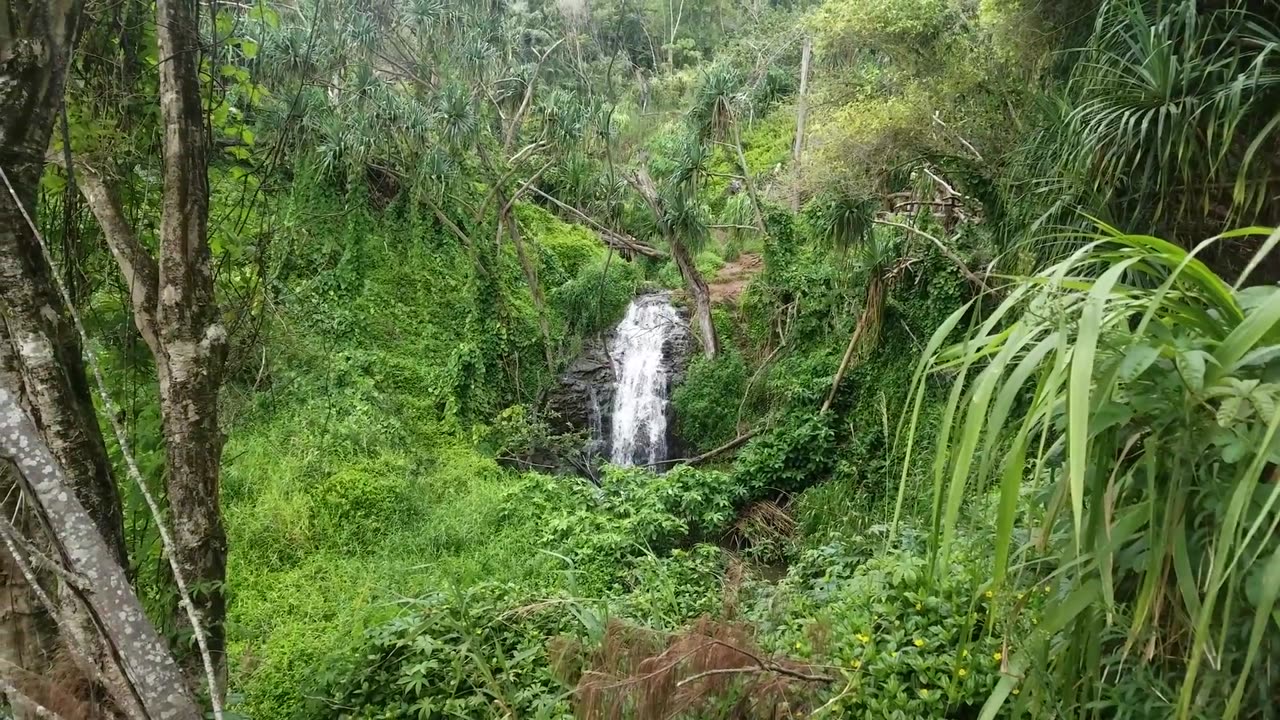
(1174, 118)
(714, 119)
(847, 224)
(455, 81)
(681, 221)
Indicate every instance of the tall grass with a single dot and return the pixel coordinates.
(1138, 390)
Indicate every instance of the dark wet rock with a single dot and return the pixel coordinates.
(583, 396)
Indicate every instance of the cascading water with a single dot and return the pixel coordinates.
(639, 419)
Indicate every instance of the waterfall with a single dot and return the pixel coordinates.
(639, 419)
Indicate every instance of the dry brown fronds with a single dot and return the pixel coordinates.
(762, 522)
(713, 669)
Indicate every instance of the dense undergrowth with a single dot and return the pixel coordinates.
(355, 475)
(998, 457)
(374, 529)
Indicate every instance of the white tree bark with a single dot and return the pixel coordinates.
(802, 111)
(151, 675)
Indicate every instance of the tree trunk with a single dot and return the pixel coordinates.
(693, 281)
(746, 179)
(802, 110)
(22, 644)
(139, 671)
(192, 339)
(701, 295)
(866, 331)
(32, 72)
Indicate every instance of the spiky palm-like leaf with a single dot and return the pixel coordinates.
(1136, 389)
(564, 117)
(844, 220)
(574, 179)
(427, 15)
(687, 218)
(737, 215)
(456, 115)
(713, 111)
(1177, 111)
(690, 164)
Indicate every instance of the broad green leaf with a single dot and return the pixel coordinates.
(1258, 356)
(1136, 361)
(1246, 336)
(1191, 366)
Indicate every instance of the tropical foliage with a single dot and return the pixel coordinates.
(983, 426)
(1149, 426)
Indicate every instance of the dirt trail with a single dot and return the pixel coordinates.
(732, 279)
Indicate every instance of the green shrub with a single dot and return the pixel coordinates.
(356, 505)
(707, 400)
(596, 297)
(564, 248)
(907, 645)
(634, 512)
(707, 262)
(470, 653)
(789, 457)
(666, 591)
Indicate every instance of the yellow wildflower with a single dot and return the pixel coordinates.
(863, 638)
(857, 664)
(997, 656)
(1019, 596)
(919, 643)
(989, 594)
(962, 672)
(924, 692)
(1046, 589)
(1016, 691)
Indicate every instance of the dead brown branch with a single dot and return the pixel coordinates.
(697, 459)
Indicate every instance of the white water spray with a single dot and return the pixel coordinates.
(639, 434)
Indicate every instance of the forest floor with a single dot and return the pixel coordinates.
(733, 277)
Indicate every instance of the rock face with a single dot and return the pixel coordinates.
(587, 395)
(677, 351)
(583, 397)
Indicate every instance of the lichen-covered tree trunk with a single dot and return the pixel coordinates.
(139, 671)
(32, 71)
(22, 644)
(193, 341)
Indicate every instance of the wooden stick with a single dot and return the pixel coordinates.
(710, 453)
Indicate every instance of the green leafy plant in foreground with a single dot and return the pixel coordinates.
(1139, 388)
(901, 643)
